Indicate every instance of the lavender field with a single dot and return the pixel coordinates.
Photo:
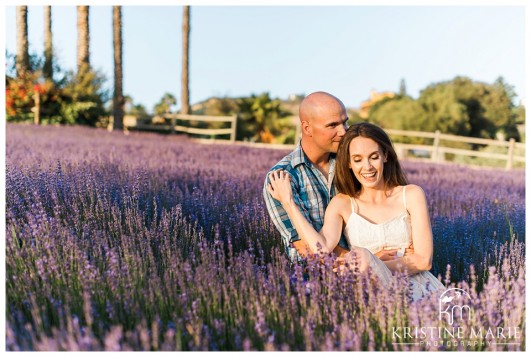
(151, 242)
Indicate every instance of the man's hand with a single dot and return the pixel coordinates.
(339, 263)
(340, 252)
(302, 248)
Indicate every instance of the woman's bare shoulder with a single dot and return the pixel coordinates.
(341, 197)
(414, 190)
(340, 201)
(415, 195)
(340, 206)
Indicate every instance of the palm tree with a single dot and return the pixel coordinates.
(83, 39)
(186, 46)
(22, 58)
(48, 64)
(118, 97)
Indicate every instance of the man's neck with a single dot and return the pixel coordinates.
(318, 158)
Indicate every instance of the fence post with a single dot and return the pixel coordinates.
(172, 123)
(37, 108)
(110, 124)
(233, 124)
(435, 152)
(510, 154)
(400, 151)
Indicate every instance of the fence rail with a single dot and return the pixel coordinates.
(438, 151)
(173, 127)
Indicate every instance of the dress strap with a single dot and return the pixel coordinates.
(352, 204)
(404, 196)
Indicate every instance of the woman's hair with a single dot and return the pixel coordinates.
(345, 180)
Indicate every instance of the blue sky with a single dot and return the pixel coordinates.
(345, 50)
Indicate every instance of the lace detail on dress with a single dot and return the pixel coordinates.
(392, 234)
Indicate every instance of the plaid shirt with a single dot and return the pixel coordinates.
(312, 193)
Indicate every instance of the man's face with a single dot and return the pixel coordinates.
(328, 129)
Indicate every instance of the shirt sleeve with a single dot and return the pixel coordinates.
(279, 216)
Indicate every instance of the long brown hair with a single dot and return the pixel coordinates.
(345, 180)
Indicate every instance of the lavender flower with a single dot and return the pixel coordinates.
(153, 242)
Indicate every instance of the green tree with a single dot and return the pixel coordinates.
(402, 113)
(83, 97)
(465, 107)
(219, 106)
(139, 111)
(519, 113)
(259, 118)
(444, 110)
(165, 104)
(501, 109)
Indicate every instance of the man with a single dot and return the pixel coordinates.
(311, 167)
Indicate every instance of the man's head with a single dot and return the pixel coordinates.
(323, 122)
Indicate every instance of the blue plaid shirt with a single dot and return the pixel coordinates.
(312, 193)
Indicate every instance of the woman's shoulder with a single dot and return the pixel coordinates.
(340, 204)
(414, 195)
(340, 200)
(413, 189)
(341, 197)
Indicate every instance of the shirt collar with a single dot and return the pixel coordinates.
(299, 157)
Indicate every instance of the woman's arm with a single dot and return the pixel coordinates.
(421, 234)
(324, 241)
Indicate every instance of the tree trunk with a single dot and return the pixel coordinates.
(22, 58)
(83, 54)
(185, 92)
(118, 97)
(48, 49)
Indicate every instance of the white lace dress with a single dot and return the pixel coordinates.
(393, 234)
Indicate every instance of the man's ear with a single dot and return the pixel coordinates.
(306, 128)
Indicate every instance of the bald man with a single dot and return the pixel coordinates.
(311, 167)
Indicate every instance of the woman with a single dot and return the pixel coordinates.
(379, 213)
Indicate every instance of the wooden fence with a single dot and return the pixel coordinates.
(169, 124)
(438, 151)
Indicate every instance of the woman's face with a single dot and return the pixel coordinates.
(367, 162)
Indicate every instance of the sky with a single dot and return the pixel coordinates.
(243, 50)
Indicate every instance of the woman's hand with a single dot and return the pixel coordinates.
(280, 186)
(385, 255)
(392, 254)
